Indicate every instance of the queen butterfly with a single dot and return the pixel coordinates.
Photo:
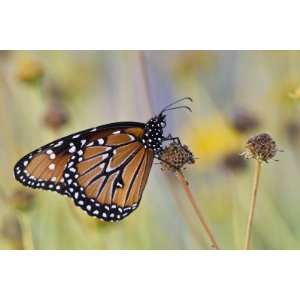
(104, 169)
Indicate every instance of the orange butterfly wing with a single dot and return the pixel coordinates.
(44, 168)
(104, 169)
(108, 177)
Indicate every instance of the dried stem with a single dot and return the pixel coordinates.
(200, 216)
(253, 204)
(186, 215)
(145, 78)
(180, 176)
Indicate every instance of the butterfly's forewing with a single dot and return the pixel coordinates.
(104, 169)
(44, 167)
(107, 177)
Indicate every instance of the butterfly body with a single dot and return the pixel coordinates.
(153, 136)
(103, 169)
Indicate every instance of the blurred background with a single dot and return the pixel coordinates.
(45, 95)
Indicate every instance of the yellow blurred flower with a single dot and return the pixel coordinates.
(295, 94)
(214, 138)
(189, 62)
(29, 70)
(284, 92)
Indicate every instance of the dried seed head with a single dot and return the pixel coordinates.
(11, 230)
(22, 200)
(233, 162)
(244, 122)
(260, 147)
(175, 156)
(293, 131)
(56, 115)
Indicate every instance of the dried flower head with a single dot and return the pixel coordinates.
(292, 129)
(244, 121)
(11, 230)
(56, 115)
(233, 162)
(175, 156)
(260, 147)
(22, 200)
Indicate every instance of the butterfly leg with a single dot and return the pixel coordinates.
(174, 139)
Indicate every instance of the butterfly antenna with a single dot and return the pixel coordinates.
(178, 107)
(175, 102)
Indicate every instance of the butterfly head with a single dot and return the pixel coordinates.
(153, 136)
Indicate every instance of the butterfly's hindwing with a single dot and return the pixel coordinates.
(103, 178)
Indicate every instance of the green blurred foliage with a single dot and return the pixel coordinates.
(48, 94)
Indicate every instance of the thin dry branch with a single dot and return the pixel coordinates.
(198, 211)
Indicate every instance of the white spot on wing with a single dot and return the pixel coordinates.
(101, 141)
(52, 156)
(58, 144)
(104, 156)
(72, 149)
(132, 138)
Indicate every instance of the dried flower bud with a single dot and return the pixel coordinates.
(29, 71)
(233, 162)
(244, 122)
(260, 147)
(11, 230)
(175, 156)
(22, 199)
(56, 115)
(293, 131)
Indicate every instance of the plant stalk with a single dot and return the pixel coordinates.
(253, 204)
(199, 214)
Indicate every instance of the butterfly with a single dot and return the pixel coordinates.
(103, 169)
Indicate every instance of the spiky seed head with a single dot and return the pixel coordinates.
(175, 156)
(260, 147)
